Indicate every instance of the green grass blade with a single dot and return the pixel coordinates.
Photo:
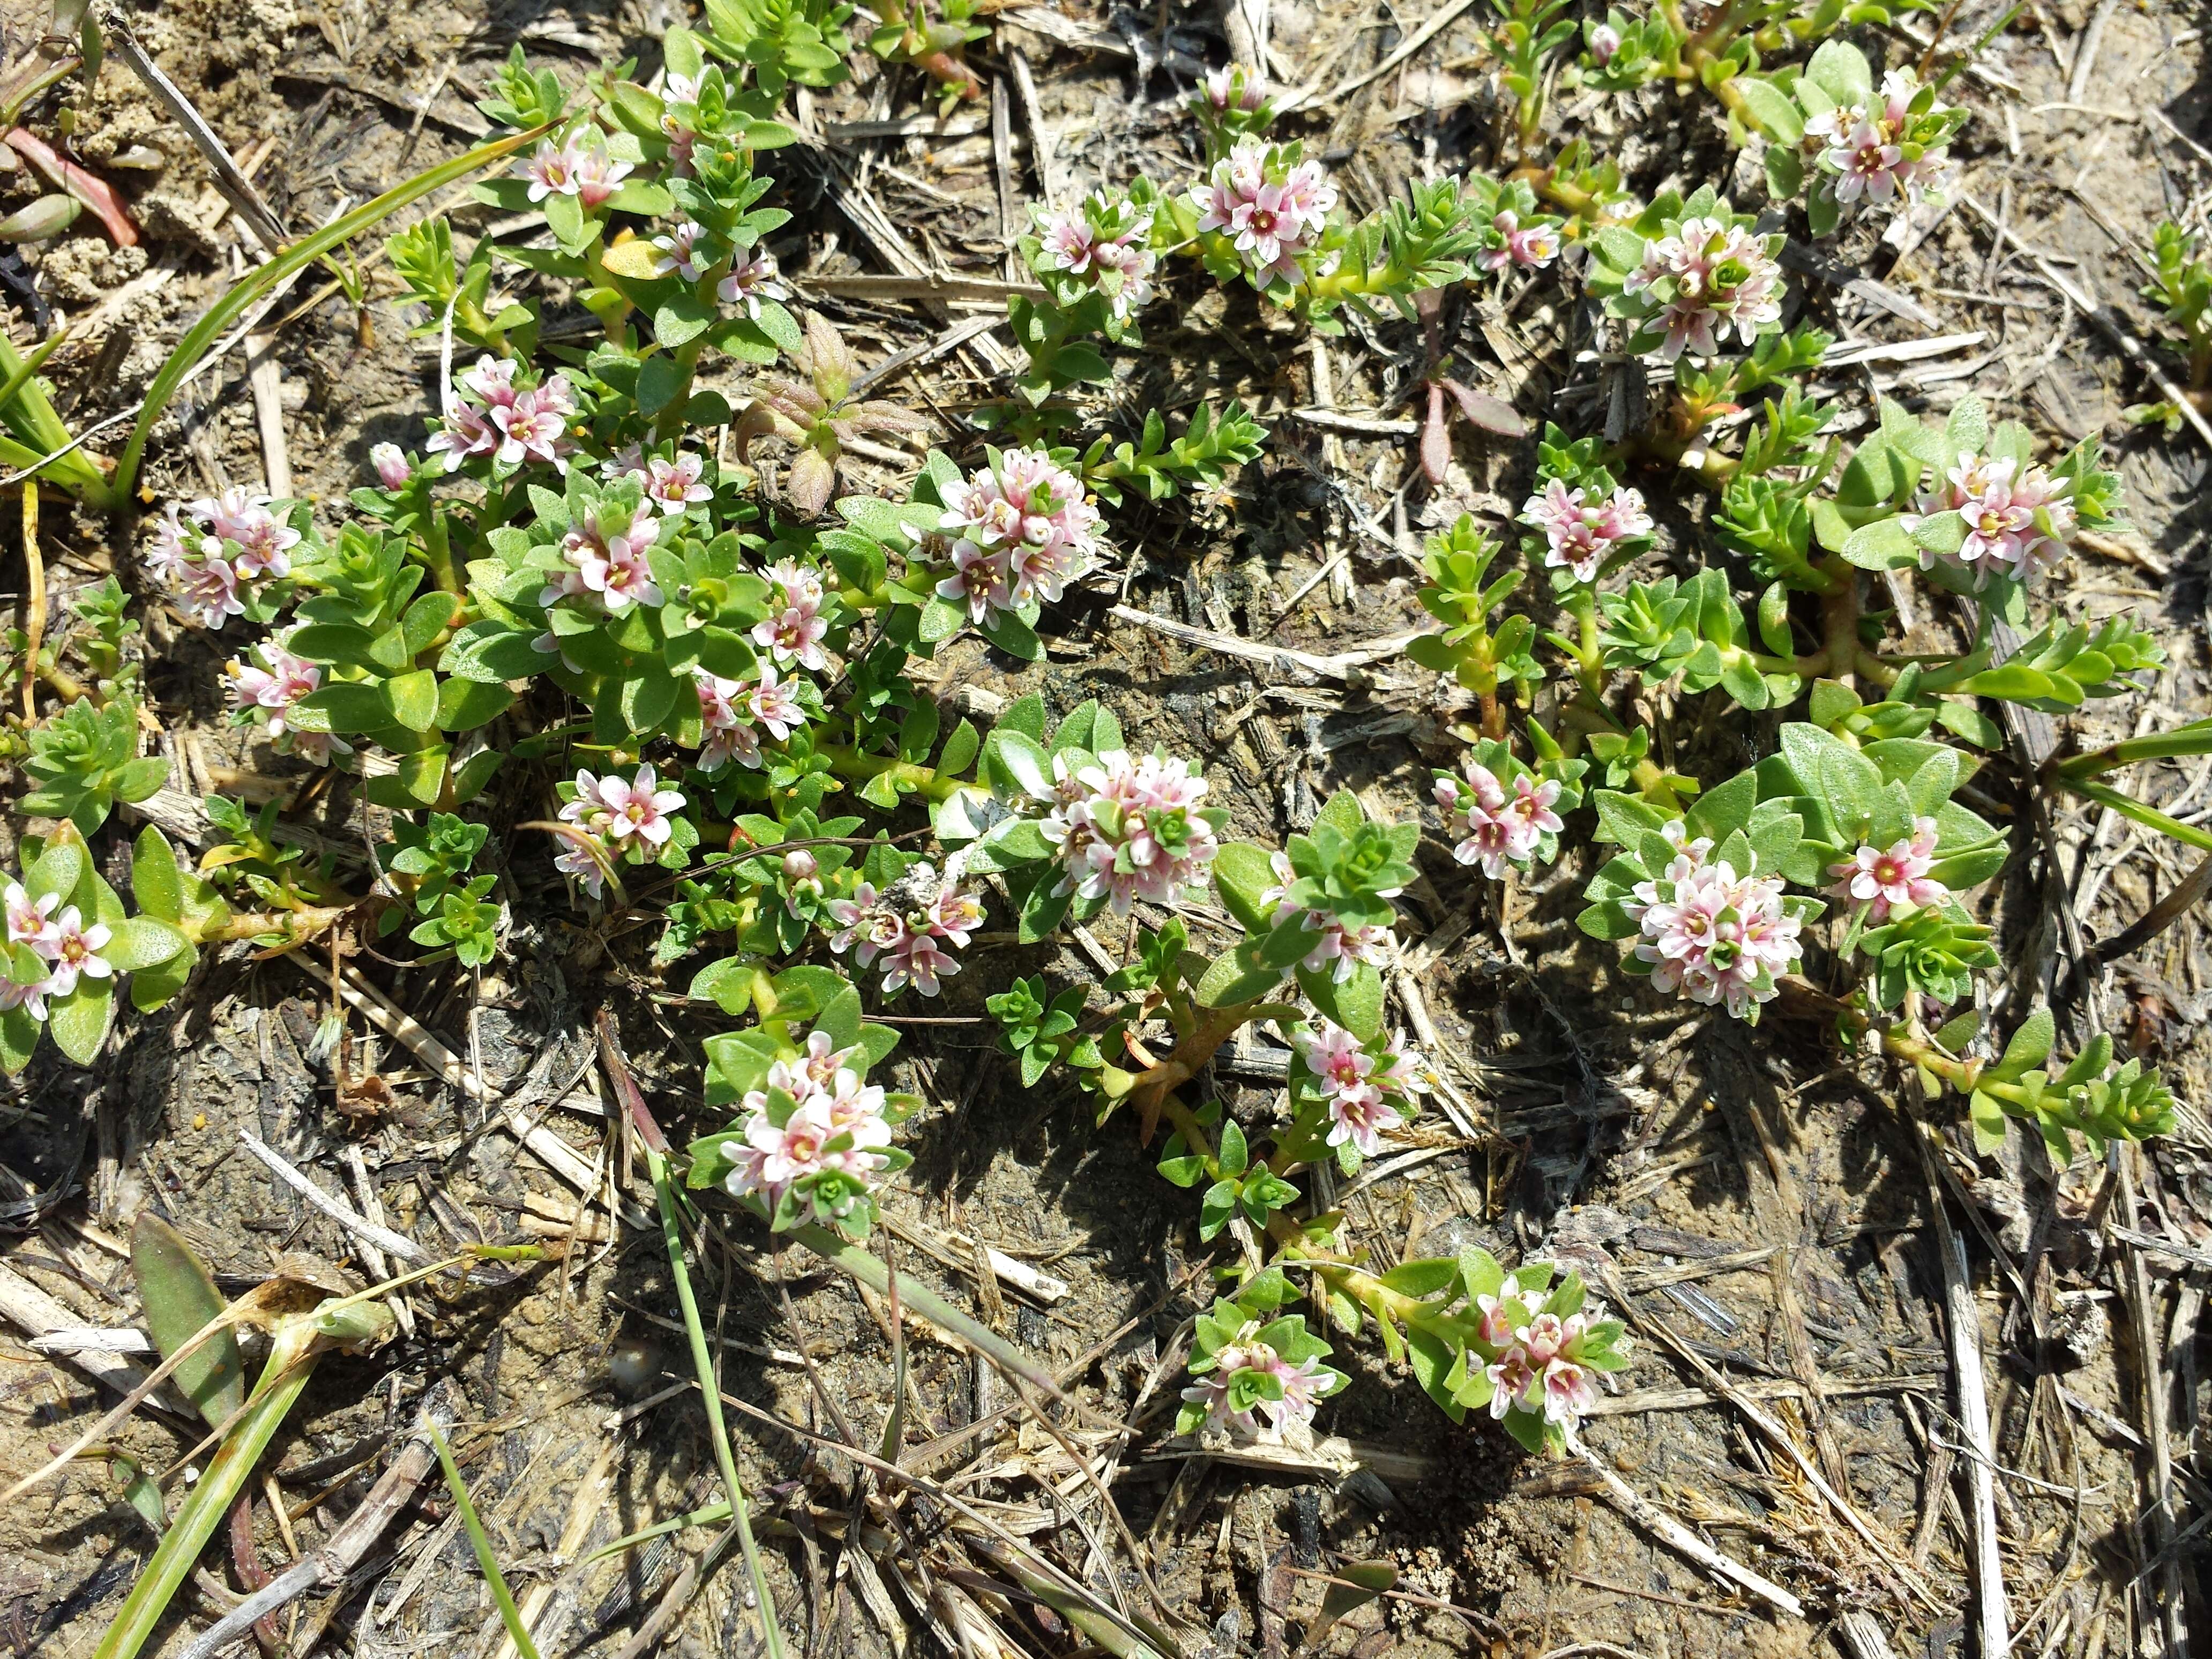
(510, 1615)
(706, 1517)
(710, 1396)
(296, 258)
(202, 1512)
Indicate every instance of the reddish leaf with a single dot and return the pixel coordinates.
(1490, 414)
(94, 193)
(1435, 441)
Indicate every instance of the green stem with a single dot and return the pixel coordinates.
(2195, 739)
(848, 762)
(2150, 818)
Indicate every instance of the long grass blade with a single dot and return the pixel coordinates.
(509, 1614)
(295, 258)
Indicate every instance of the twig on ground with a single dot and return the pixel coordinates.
(265, 378)
(337, 1555)
(2151, 1378)
(392, 1243)
(1965, 1326)
(1678, 1537)
(252, 210)
(1017, 66)
(1342, 665)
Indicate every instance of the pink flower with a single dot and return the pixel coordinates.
(466, 435)
(1569, 1393)
(1235, 87)
(1604, 42)
(794, 633)
(393, 471)
(207, 592)
(1898, 879)
(550, 171)
(1359, 1117)
(531, 426)
(492, 379)
(1500, 1313)
(15, 995)
(275, 688)
(75, 951)
(577, 860)
(679, 251)
(1528, 814)
(978, 580)
(609, 559)
(30, 922)
(1025, 518)
(771, 703)
(1333, 1055)
(242, 518)
(594, 175)
(1867, 164)
(1579, 533)
(2016, 521)
(1514, 1382)
(753, 277)
(1498, 830)
(1103, 238)
(919, 960)
(674, 486)
(1717, 937)
(1271, 210)
(865, 926)
(729, 730)
(639, 808)
(1530, 249)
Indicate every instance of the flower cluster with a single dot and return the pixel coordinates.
(729, 709)
(1339, 948)
(1495, 829)
(815, 1134)
(264, 685)
(2017, 517)
(1717, 937)
(1543, 1365)
(631, 818)
(1706, 276)
(1583, 526)
(1363, 1086)
(1106, 241)
(69, 949)
(1892, 151)
(1269, 205)
(1894, 880)
(908, 924)
(1284, 1391)
(606, 557)
(580, 167)
(497, 420)
(1018, 531)
(1128, 828)
(233, 545)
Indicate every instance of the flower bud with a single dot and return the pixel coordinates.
(50, 215)
(1604, 41)
(799, 865)
(390, 464)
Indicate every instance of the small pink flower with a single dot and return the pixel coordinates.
(75, 952)
(594, 175)
(275, 688)
(491, 380)
(393, 471)
(772, 704)
(577, 860)
(529, 430)
(466, 435)
(1530, 249)
(794, 633)
(865, 927)
(1359, 1117)
(639, 807)
(207, 592)
(1235, 87)
(1580, 533)
(978, 581)
(919, 960)
(15, 995)
(1604, 42)
(1570, 1393)
(729, 732)
(1270, 210)
(31, 921)
(679, 251)
(549, 172)
(753, 278)
(1897, 878)
(673, 486)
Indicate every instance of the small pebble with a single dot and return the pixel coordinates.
(634, 1364)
